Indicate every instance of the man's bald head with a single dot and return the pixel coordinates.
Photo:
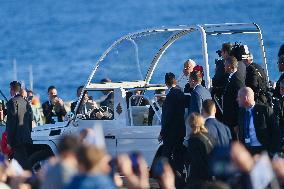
(245, 97)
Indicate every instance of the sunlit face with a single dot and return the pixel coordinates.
(187, 68)
(52, 93)
(227, 67)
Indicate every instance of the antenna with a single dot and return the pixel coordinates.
(15, 69)
(31, 78)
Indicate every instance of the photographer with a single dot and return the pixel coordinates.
(219, 80)
(53, 109)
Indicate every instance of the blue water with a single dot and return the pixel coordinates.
(63, 39)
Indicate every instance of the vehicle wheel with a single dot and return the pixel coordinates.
(38, 158)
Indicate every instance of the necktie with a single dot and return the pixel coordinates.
(246, 125)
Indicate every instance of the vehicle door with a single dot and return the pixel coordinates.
(138, 135)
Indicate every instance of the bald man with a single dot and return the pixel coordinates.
(257, 126)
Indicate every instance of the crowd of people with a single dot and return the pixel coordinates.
(217, 138)
(241, 106)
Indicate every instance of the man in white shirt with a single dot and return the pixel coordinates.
(187, 69)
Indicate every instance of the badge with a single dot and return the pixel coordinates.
(247, 140)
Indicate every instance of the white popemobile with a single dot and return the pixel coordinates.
(138, 62)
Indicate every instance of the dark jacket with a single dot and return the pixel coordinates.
(266, 127)
(242, 69)
(199, 148)
(230, 105)
(173, 127)
(49, 111)
(220, 132)
(73, 106)
(188, 90)
(276, 92)
(198, 95)
(256, 78)
(19, 121)
(279, 113)
(108, 101)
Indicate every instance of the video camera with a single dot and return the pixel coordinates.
(239, 50)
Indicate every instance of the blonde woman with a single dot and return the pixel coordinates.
(199, 147)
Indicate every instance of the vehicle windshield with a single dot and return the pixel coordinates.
(130, 59)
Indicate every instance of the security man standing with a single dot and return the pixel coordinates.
(19, 124)
(256, 77)
(279, 109)
(257, 126)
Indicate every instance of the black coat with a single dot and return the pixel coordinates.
(256, 78)
(230, 105)
(19, 121)
(73, 106)
(198, 151)
(108, 101)
(173, 127)
(279, 113)
(48, 112)
(266, 127)
(276, 92)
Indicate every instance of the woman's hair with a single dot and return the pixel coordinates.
(196, 122)
(89, 156)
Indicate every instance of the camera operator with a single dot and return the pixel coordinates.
(53, 109)
(219, 80)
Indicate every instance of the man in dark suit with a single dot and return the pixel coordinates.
(173, 127)
(220, 132)
(281, 69)
(230, 105)
(53, 109)
(279, 110)
(19, 125)
(257, 128)
(198, 94)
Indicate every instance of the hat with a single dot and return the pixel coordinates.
(245, 52)
(198, 68)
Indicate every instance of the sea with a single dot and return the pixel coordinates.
(61, 40)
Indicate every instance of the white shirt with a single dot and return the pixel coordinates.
(231, 74)
(209, 117)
